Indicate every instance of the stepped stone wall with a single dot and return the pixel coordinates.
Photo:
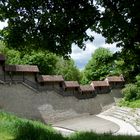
(49, 106)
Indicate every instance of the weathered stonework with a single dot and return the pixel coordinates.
(22, 101)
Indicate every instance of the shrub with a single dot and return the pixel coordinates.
(130, 92)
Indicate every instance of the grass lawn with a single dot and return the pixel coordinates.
(14, 128)
(132, 104)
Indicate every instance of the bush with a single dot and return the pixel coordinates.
(130, 92)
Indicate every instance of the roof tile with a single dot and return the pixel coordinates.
(86, 88)
(50, 78)
(71, 84)
(21, 68)
(115, 79)
(100, 84)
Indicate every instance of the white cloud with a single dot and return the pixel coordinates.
(81, 57)
(111, 47)
(98, 39)
(82, 54)
(3, 24)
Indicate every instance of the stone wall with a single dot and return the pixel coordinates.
(1, 73)
(50, 106)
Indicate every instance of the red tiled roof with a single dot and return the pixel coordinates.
(21, 68)
(2, 57)
(100, 84)
(50, 78)
(115, 79)
(71, 84)
(86, 88)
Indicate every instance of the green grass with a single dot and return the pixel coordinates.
(94, 136)
(131, 104)
(14, 128)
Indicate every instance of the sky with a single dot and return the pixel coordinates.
(81, 57)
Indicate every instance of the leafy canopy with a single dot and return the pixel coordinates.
(68, 69)
(56, 24)
(119, 22)
(53, 25)
(99, 66)
(48, 63)
(132, 91)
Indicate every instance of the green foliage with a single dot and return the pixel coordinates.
(118, 67)
(119, 22)
(99, 66)
(105, 136)
(13, 56)
(138, 80)
(131, 64)
(46, 61)
(130, 92)
(68, 69)
(21, 129)
(52, 25)
(1, 45)
(84, 79)
(138, 85)
(132, 104)
(14, 128)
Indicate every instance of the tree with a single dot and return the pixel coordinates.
(130, 92)
(53, 25)
(99, 66)
(128, 64)
(13, 56)
(68, 70)
(120, 22)
(46, 61)
(138, 85)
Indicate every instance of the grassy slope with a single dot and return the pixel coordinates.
(14, 128)
(132, 104)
